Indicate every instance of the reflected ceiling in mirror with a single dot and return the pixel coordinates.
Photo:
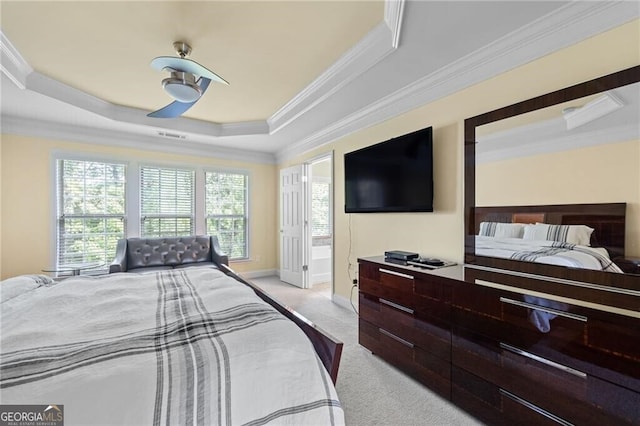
(577, 146)
(603, 118)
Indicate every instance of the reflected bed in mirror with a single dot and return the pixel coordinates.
(570, 157)
(590, 236)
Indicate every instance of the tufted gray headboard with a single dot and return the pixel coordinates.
(147, 254)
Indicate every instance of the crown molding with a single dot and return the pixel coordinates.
(568, 142)
(373, 48)
(599, 107)
(70, 95)
(110, 137)
(12, 64)
(571, 23)
(393, 13)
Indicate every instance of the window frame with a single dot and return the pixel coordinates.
(57, 208)
(324, 181)
(247, 203)
(194, 200)
(133, 216)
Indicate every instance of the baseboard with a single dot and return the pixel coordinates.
(344, 302)
(259, 273)
(321, 278)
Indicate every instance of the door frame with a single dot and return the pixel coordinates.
(308, 247)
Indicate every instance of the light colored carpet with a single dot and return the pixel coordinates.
(372, 392)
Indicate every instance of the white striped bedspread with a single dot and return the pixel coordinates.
(181, 347)
(549, 252)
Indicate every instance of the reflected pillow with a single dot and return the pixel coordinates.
(573, 234)
(501, 230)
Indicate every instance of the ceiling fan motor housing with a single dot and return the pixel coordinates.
(182, 87)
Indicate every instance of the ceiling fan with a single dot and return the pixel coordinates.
(187, 83)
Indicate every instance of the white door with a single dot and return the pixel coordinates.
(292, 229)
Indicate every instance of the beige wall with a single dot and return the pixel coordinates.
(322, 169)
(440, 234)
(600, 174)
(27, 202)
(25, 172)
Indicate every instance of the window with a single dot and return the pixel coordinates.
(166, 202)
(91, 212)
(226, 211)
(161, 201)
(320, 209)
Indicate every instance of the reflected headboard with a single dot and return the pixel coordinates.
(607, 219)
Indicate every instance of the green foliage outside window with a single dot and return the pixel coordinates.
(320, 209)
(226, 211)
(91, 210)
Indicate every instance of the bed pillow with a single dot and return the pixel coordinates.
(501, 230)
(13, 287)
(573, 234)
(487, 229)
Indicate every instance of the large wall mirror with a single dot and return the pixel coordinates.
(552, 184)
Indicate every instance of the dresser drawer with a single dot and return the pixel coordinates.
(617, 297)
(429, 369)
(555, 387)
(430, 334)
(387, 283)
(496, 406)
(602, 344)
(432, 295)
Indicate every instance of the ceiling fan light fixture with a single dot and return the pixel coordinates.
(182, 87)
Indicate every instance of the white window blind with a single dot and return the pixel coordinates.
(166, 201)
(226, 197)
(90, 211)
(320, 209)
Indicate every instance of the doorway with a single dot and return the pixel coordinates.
(306, 225)
(320, 219)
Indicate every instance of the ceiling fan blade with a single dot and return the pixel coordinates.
(185, 65)
(176, 108)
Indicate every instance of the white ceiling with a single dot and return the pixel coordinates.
(411, 53)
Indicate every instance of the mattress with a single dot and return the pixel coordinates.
(189, 346)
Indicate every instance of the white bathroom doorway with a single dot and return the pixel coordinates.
(320, 238)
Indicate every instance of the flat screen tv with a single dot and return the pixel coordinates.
(391, 176)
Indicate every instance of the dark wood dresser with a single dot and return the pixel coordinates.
(502, 349)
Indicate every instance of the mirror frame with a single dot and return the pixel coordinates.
(601, 84)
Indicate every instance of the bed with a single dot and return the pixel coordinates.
(197, 345)
(587, 236)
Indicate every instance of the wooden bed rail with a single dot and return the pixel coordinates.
(328, 348)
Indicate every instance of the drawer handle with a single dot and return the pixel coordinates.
(535, 408)
(395, 305)
(397, 274)
(545, 309)
(396, 338)
(544, 361)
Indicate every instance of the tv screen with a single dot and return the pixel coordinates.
(391, 176)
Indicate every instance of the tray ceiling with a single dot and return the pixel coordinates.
(268, 51)
(302, 73)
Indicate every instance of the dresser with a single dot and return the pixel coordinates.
(501, 348)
